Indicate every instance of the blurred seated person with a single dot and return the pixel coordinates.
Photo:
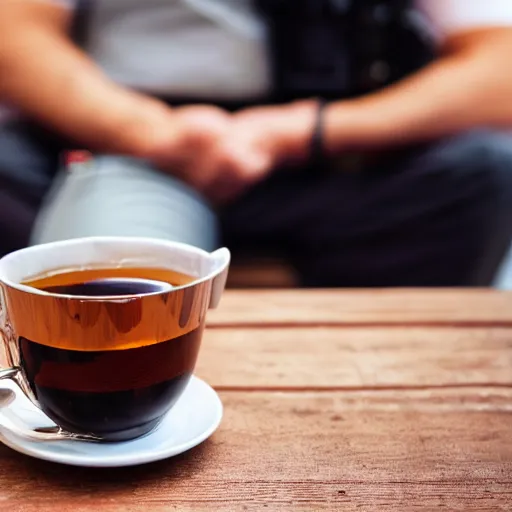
(207, 127)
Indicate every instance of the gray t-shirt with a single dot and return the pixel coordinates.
(183, 48)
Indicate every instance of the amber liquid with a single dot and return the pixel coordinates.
(114, 394)
(69, 282)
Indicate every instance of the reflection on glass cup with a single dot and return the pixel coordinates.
(103, 334)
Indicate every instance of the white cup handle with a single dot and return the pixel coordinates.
(221, 259)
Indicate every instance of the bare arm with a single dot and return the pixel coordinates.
(469, 86)
(45, 76)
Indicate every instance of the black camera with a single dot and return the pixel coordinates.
(342, 48)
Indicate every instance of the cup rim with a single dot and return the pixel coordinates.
(186, 248)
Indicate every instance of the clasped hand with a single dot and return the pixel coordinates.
(222, 155)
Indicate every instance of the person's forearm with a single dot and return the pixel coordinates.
(47, 78)
(470, 87)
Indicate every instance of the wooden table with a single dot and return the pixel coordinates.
(398, 400)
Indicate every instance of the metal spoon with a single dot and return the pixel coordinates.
(9, 422)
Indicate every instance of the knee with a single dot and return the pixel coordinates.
(121, 197)
(482, 159)
(482, 163)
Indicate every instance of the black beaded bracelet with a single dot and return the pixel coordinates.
(317, 140)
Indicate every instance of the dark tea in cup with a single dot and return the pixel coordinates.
(107, 351)
(115, 394)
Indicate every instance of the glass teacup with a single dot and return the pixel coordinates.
(103, 334)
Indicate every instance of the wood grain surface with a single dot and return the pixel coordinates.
(405, 404)
(309, 451)
(346, 358)
(375, 307)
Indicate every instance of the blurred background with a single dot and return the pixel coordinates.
(328, 143)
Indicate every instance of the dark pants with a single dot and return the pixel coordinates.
(438, 215)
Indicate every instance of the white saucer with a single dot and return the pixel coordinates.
(193, 419)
